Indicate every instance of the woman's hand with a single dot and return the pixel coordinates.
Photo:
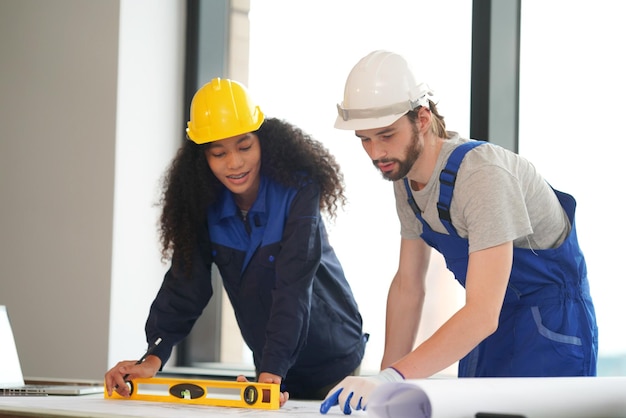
(269, 378)
(116, 378)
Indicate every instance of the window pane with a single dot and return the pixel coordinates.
(300, 55)
(572, 95)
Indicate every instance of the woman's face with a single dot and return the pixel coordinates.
(236, 162)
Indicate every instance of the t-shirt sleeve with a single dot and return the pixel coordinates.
(489, 208)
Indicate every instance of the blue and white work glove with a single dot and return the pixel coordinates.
(353, 392)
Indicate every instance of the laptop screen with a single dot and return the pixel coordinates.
(10, 368)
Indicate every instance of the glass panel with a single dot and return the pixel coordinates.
(572, 94)
(300, 55)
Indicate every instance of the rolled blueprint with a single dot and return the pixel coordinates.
(528, 397)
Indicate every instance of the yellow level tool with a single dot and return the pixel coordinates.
(204, 392)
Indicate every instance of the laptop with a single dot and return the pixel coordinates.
(11, 377)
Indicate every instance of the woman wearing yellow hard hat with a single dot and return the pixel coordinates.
(246, 193)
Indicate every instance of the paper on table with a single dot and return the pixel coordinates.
(544, 397)
(96, 406)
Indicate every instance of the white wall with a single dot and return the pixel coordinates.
(87, 126)
(150, 128)
(57, 137)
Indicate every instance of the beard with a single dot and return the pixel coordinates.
(412, 153)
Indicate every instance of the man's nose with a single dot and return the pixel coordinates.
(376, 150)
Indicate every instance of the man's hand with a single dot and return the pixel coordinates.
(353, 392)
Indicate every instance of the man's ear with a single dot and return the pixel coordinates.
(424, 119)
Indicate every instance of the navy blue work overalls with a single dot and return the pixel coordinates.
(547, 324)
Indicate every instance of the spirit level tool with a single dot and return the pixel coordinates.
(204, 392)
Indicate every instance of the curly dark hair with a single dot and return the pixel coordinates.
(288, 156)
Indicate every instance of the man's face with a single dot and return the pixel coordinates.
(393, 149)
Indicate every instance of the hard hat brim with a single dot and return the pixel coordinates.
(370, 123)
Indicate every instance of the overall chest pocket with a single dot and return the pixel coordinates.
(262, 267)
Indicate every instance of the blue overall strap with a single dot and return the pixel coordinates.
(447, 178)
(411, 201)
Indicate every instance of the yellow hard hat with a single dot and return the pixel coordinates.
(222, 109)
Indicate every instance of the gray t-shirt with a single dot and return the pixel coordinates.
(498, 197)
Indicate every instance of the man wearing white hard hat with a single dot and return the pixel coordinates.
(505, 233)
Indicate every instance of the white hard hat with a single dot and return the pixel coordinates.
(380, 89)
